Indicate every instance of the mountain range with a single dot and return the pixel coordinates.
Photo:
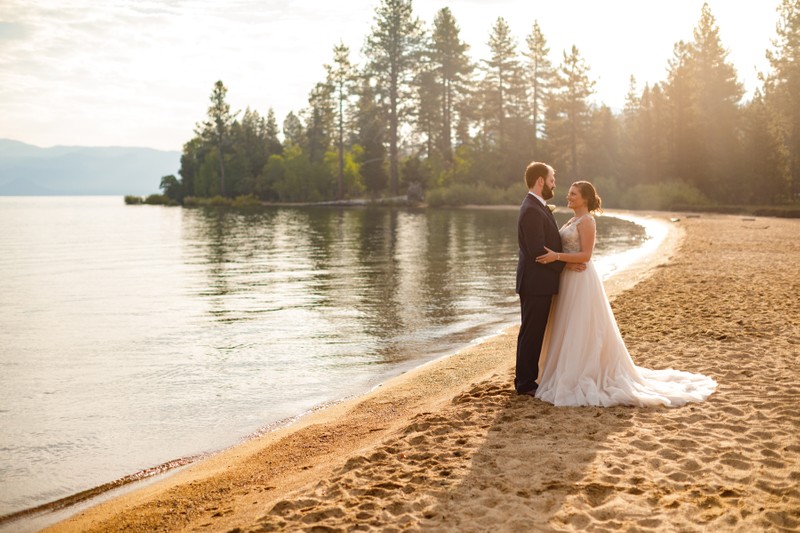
(27, 170)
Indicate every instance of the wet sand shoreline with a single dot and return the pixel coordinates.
(448, 446)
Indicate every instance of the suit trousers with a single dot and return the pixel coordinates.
(535, 310)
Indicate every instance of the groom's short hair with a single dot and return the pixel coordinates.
(535, 171)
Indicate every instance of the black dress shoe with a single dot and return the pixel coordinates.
(531, 392)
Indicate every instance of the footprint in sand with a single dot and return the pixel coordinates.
(690, 465)
(735, 461)
(645, 446)
(596, 494)
(678, 477)
(784, 520)
(285, 507)
(669, 454)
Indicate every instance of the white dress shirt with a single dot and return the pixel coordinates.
(538, 198)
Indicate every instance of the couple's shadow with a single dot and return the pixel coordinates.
(529, 463)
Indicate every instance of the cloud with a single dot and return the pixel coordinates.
(93, 72)
(10, 31)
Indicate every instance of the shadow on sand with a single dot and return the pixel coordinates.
(532, 460)
(491, 460)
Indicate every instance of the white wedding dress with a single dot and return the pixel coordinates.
(584, 360)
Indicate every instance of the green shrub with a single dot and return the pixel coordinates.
(218, 201)
(134, 200)
(199, 201)
(159, 199)
(248, 200)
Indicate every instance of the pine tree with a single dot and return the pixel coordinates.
(216, 129)
(428, 114)
(782, 87)
(293, 130)
(717, 93)
(274, 145)
(687, 161)
(644, 121)
(602, 158)
(540, 75)
(319, 117)
(393, 48)
(250, 146)
(569, 110)
(452, 70)
(631, 135)
(500, 72)
(369, 134)
(767, 154)
(263, 185)
(341, 76)
(654, 122)
(192, 157)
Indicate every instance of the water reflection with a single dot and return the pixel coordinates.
(378, 284)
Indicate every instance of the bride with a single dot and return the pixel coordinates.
(584, 360)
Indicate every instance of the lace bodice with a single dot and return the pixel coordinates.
(570, 238)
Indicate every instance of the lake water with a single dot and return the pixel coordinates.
(135, 335)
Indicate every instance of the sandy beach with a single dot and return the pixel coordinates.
(451, 447)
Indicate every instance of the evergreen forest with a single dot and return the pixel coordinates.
(420, 119)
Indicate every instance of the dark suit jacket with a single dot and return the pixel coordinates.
(537, 228)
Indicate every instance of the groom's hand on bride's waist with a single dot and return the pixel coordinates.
(575, 267)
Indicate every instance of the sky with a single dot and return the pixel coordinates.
(140, 72)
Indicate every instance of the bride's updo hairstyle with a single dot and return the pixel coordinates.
(588, 193)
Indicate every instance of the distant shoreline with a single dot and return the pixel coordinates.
(779, 211)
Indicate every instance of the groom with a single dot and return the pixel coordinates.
(536, 282)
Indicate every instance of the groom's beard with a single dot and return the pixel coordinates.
(547, 192)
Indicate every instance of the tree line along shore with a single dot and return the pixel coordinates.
(422, 119)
